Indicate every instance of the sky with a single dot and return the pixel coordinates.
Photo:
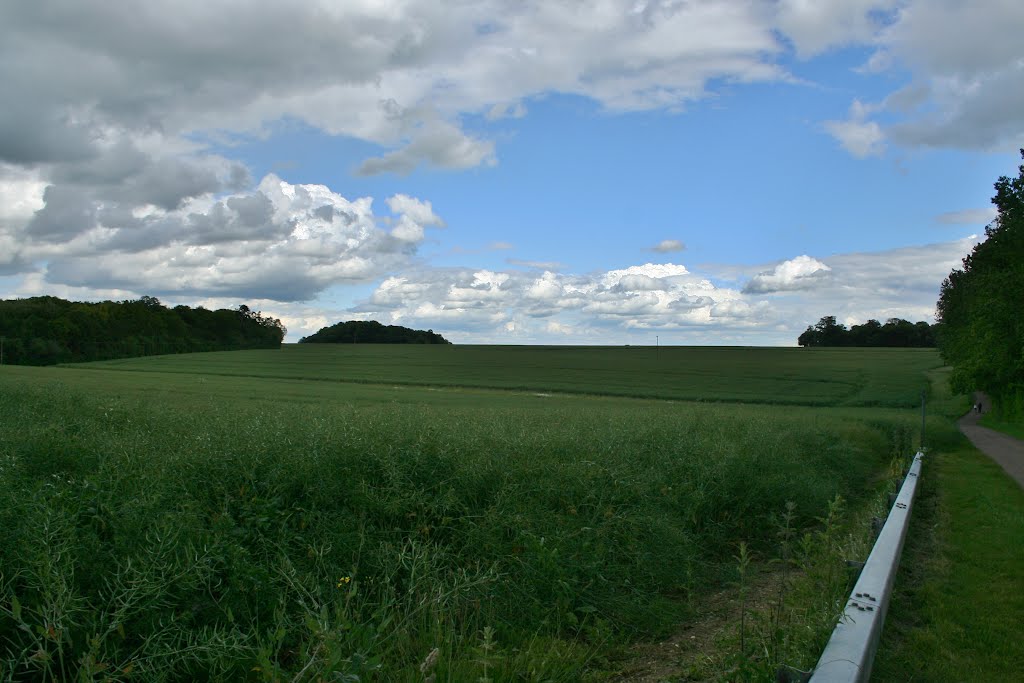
(508, 171)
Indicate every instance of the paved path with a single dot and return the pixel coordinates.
(1005, 450)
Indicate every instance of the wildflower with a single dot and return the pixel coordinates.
(343, 580)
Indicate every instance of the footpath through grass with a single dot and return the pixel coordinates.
(956, 611)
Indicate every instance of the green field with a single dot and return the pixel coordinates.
(321, 512)
(828, 377)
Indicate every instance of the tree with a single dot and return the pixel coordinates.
(372, 332)
(895, 332)
(980, 306)
(45, 330)
(827, 332)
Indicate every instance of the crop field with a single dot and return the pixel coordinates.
(322, 513)
(789, 376)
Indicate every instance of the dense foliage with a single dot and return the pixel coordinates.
(372, 332)
(896, 332)
(981, 306)
(46, 330)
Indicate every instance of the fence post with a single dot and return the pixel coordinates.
(922, 417)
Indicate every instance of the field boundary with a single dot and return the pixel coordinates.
(850, 652)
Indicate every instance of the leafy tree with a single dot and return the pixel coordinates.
(981, 304)
(895, 332)
(827, 332)
(372, 332)
(45, 330)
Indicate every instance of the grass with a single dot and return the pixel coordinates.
(164, 524)
(1014, 429)
(788, 376)
(955, 614)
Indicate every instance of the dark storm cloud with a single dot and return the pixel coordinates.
(32, 134)
(124, 173)
(68, 213)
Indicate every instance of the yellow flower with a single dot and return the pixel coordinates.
(343, 580)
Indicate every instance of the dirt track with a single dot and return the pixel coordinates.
(1005, 450)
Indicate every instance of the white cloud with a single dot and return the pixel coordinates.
(668, 246)
(21, 194)
(802, 272)
(438, 143)
(968, 216)
(965, 63)
(816, 26)
(901, 283)
(611, 307)
(421, 212)
(535, 265)
(82, 80)
(281, 241)
(400, 74)
(483, 303)
(554, 327)
(414, 215)
(859, 137)
(504, 110)
(967, 75)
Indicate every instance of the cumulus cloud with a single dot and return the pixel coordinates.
(85, 81)
(438, 143)
(523, 303)
(858, 136)
(900, 283)
(913, 273)
(802, 272)
(963, 93)
(815, 27)
(108, 181)
(668, 246)
(625, 305)
(80, 77)
(281, 242)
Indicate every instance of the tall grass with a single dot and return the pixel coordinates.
(153, 540)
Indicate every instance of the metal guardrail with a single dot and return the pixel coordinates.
(851, 651)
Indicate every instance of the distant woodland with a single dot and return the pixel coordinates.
(46, 330)
(372, 332)
(895, 332)
(981, 308)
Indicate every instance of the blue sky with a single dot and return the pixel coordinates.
(595, 172)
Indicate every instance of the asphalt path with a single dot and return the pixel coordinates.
(1004, 449)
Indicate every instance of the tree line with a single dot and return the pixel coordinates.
(372, 332)
(45, 330)
(981, 307)
(895, 332)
